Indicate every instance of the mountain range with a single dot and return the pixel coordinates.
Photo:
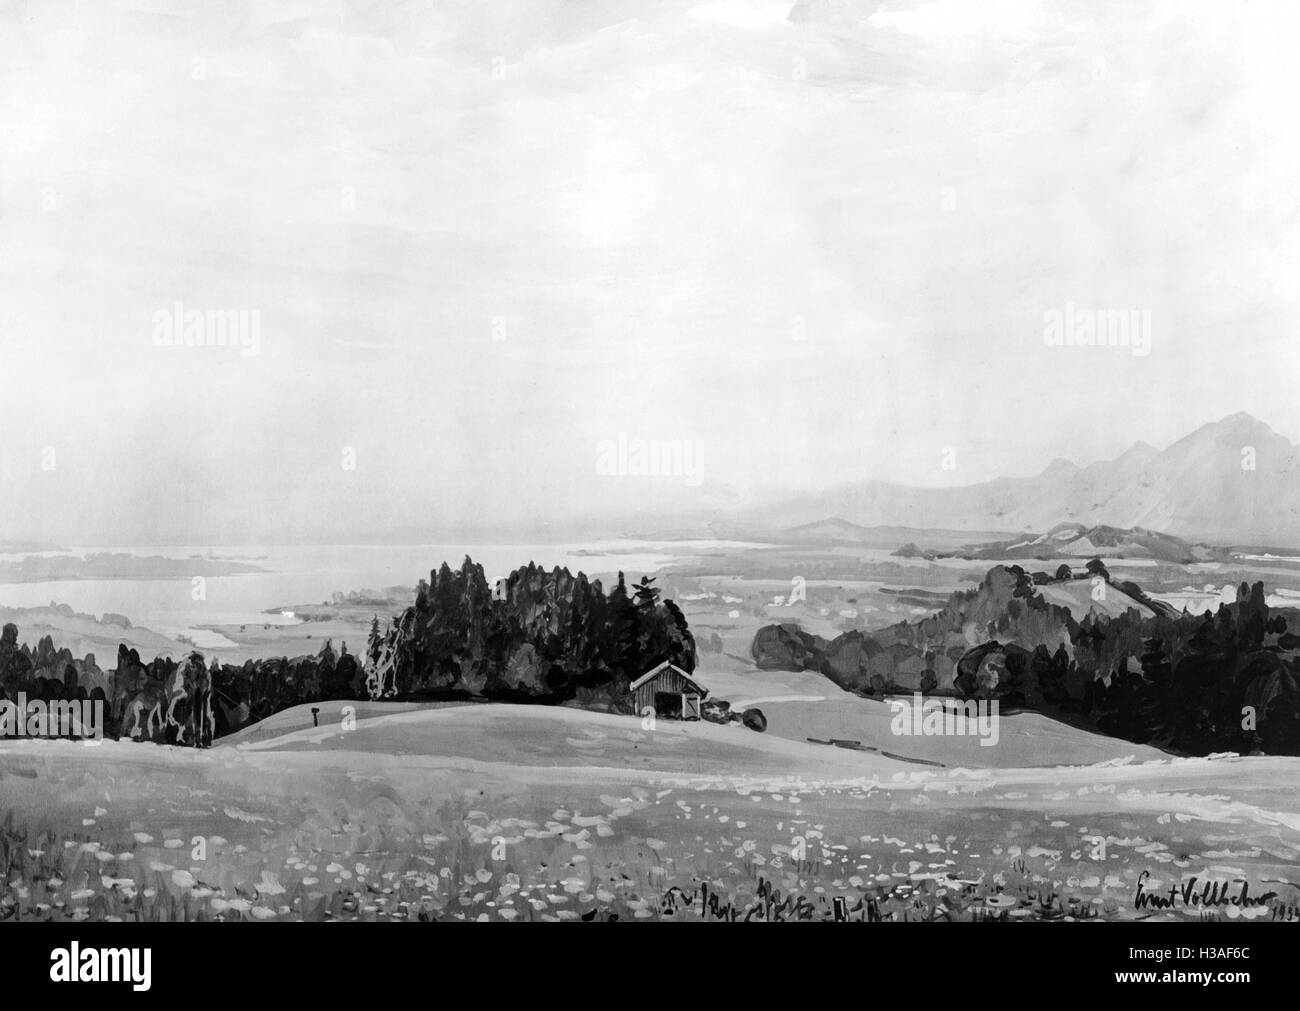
(1234, 481)
(1074, 540)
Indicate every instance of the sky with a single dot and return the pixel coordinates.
(483, 242)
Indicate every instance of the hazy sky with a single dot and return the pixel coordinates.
(483, 237)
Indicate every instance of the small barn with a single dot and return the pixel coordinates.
(668, 691)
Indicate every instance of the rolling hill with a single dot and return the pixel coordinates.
(1076, 540)
(834, 531)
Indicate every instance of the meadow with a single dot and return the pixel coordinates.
(512, 813)
(497, 812)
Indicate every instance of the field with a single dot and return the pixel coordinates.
(515, 813)
(459, 811)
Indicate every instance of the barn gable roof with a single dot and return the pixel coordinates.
(654, 672)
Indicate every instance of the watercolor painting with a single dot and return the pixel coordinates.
(699, 460)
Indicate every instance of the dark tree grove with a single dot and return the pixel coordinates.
(1191, 684)
(536, 636)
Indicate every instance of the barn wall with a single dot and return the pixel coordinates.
(667, 681)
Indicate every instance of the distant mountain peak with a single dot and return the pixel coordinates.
(1140, 452)
(830, 523)
(1239, 424)
(1231, 481)
(1060, 467)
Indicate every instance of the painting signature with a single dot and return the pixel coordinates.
(1210, 894)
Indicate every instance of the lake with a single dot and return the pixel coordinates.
(311, 574)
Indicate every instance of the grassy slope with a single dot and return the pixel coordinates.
(805, 704)
(510, 737)
(591, 813)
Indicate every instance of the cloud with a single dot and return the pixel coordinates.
(827, 240)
